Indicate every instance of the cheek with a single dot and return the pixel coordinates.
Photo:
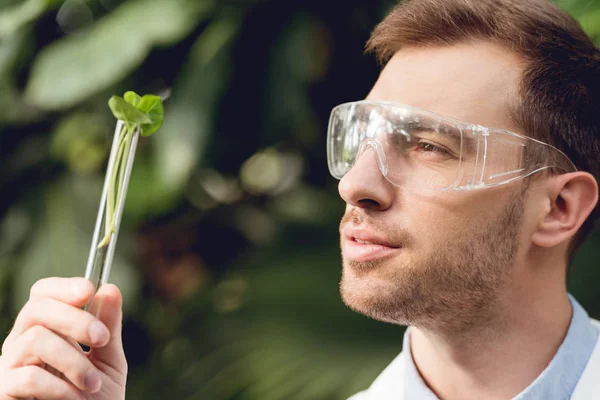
(434, 224)
(426, 219)
(430, 231)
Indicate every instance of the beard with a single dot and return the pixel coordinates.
(455, 289)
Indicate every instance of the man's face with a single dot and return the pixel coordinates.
(446, 256)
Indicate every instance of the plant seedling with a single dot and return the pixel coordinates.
(144, 113)
(136, 116)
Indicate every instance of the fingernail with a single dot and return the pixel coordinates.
(98, 332)
(92, 381)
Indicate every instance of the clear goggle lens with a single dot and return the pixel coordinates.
(422, 151)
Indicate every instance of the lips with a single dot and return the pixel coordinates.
(364, 244)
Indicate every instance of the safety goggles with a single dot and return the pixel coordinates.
(423, 151)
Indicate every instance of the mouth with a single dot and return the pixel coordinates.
(360, 245)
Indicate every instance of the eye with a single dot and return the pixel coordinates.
(432, 150)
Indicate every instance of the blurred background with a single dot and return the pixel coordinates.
(228, 254)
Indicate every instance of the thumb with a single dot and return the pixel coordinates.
(107, 307)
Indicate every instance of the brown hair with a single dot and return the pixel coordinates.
(559, 94)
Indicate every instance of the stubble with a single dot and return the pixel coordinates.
(455, 289)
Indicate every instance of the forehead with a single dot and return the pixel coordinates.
(475, 82)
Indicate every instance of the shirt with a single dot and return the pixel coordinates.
(556, 382)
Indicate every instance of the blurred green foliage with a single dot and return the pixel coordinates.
(228, 254)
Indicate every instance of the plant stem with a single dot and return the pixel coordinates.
(114, 192)
(123, 164)
(110, 201)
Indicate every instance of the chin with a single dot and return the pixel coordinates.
(381, 289)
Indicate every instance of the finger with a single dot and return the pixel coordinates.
(39, 345)
(74, 291)
(62, 318)
(108, 305)
(34, 382)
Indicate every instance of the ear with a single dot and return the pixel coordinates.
(572, 197)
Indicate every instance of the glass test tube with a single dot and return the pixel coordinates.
(100, 259)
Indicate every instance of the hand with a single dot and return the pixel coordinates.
(41, 357)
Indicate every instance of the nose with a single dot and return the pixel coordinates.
(364, 185)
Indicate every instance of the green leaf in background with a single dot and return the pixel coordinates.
(126, 112)
(132, 98)
(9, 53)
(79, 141)
(152, 106)
(12, 51)
(72, 69)
(13, 18)
(196, 97)
(591, 23)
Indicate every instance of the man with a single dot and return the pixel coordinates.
(470, 177)
(464, 232)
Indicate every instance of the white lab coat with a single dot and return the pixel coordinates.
(389, 385)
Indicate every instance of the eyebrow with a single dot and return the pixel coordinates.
(470, 145)
(455, 136)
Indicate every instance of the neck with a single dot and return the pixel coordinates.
(501, 358)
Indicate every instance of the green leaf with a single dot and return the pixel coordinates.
(194, 106)
(12, 53)
(591, 23)
(78, 140)
(126, 112)
(132, 98)
(152, 106)
(71, 70)
(12, 19)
